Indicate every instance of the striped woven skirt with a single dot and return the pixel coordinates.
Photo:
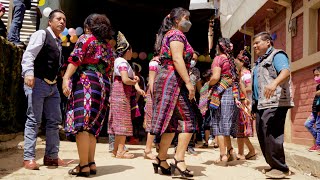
(148, 112)
(224, 119)
(245, 126)
(120, 110)
(172, 110)
(88, 105)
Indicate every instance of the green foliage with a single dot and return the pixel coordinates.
(11, 93)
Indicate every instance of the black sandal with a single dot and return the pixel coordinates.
(74, 170)
(92, 171)
(79, 173)
(185, 173)
(157, 166)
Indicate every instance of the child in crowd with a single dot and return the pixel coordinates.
(137, 120)
(122, 92)
(245, 121)
(314, 118)
(205, 127)
(154, 68)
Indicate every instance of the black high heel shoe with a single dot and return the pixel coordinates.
(92, 171)
(79, 173)
(185, 173)
(157, 166)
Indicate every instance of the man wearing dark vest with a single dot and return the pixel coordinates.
(40, 66)
(272, 97)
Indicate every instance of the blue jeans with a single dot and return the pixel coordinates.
(313, 126)
(17, 20)
(42, 98)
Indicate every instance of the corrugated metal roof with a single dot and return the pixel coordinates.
(29, 22)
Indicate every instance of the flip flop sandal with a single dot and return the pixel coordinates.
(124, 155)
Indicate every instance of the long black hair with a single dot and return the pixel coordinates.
(226, 47)
(168, 22)
(247, 62)
(99, 25)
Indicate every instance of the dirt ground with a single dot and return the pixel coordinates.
(137, 168)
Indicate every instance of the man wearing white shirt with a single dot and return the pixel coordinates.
(40, 65)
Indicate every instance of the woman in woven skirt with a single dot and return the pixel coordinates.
(224, 95)
(154, 66)
(172, 92)
(122, 94)
(86, 83)
(245, 125)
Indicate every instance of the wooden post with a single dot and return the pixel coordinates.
(11, 6)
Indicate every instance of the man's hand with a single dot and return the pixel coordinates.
(29, 81)
(318, 93)
(269, 90)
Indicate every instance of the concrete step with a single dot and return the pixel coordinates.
(298, 157)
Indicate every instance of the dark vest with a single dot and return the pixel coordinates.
(46, 65)
(282, 96)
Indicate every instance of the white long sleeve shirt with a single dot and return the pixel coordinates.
(35, 45)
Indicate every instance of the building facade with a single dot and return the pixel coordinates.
(295, 26)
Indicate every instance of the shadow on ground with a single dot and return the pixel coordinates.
(230, 163)
(197, 170)
(134, 149)
(12, 160)
(260, 168)
(104, 170)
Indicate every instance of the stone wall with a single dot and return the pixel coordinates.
(11, 92)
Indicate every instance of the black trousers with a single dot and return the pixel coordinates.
(270, 131)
